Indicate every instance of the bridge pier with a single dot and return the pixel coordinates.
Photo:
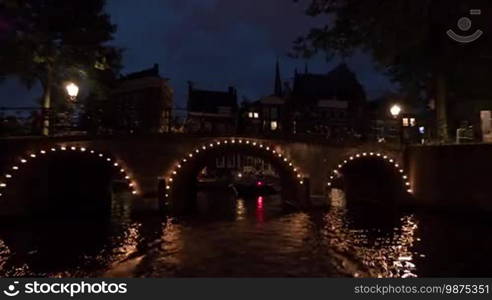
(305, 193)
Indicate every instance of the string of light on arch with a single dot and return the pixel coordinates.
(270, 150)
(24, 161)
(392, 162)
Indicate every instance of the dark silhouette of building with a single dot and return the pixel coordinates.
(328, 104)
(143, 102)
(211, 112)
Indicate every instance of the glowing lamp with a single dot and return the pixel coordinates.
(395, 110)
(72, 90)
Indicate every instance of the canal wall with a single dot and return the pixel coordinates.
(451, 177)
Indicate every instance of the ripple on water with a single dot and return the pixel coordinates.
(255, 242)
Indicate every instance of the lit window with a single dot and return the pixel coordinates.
(256, 115)
(273, 125)
(413, 122)
(250, 115)
(405, 122)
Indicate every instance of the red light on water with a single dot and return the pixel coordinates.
(259, 202)
(260, 212)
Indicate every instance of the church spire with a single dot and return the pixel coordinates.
(278, 81)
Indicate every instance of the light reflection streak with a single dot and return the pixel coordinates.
(260, 212)
(240, 209)
(387, 257)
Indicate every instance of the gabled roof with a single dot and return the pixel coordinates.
(340, 83)
(210, 101)
(152, 72)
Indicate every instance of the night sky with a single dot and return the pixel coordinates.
(214, 43)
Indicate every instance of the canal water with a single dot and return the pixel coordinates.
(251, 238)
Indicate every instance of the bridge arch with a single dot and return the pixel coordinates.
(178, 191)
(24, 166)
(397, 172)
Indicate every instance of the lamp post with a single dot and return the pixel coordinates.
(395, 111)
(72, 92)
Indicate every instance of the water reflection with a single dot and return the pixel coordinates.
(248, 237)
(382, 253)
(260, 213)
(240, 209)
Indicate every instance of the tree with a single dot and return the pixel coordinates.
(52, 41)
(408, 39)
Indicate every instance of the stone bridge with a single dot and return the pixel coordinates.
(156, 168)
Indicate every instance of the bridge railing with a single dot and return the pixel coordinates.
(27, 122)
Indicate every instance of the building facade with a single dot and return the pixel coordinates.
(143, 103)
(267, 115)
(329, 105)
(211, 112)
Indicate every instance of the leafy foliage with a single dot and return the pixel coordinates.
(64, 40)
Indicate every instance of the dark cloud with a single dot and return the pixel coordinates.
(217, 43)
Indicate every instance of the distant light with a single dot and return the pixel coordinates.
(395, 110)
(422, 129)
(259, 183)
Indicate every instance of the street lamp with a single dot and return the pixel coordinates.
(72, 90)
(395, 110)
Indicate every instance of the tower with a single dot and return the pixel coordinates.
(278, 81)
